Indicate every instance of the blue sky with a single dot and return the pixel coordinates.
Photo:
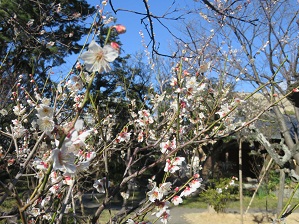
(131, 40)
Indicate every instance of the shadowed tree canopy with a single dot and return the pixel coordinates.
(37, 35)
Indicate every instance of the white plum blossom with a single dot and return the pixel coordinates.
(97, 59)
(3, 112)
(45, 111)
(191, 85)
(75, 84)
(144, 118)
(50, 44)
(225, 109)
(172, 166)
(176, 200)
(45, 201)
(46, 124)
(19, 110)
(155, 194)
(187, 191)
(82, 166)
(40, 164)
(168, 146)
(75, 140)
(86, 156)
(173, 81)
(35, 212)
(140, 136)
(68, 180)
(54, 188)
(46, 101)
(165, 188)
(79, 140)
(195, 183)
(238, 101)
(124, 136)
(162, 211)
(54, 177)
(204, 67)
(164, 217)
(18, 129)
(193, 186)
(177, 161)
(202, 87)
(63, 161)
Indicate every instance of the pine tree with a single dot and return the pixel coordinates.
(37, 35)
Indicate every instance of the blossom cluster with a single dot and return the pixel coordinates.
(186, 116)
(160, 196)
(52, 135)
(64, 139)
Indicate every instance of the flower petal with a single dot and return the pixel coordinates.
(93, 46)
(110, 53)
(88, 57)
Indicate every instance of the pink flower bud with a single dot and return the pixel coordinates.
(115, 45)
(78, 66)
(120, 29)
(176, 189)
(196, 176)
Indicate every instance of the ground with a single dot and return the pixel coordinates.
(198, 216)
(184, 215)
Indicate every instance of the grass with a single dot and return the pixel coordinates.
(7, 206)
(259, 203)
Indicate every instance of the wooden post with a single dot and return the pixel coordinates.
(280, 191)
(241, 181)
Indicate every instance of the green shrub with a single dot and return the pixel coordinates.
(220, 192)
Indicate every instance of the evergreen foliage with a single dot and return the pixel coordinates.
(37, 35)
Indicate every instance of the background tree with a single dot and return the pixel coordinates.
(258, 41)
(37, 35)
(110, 124)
